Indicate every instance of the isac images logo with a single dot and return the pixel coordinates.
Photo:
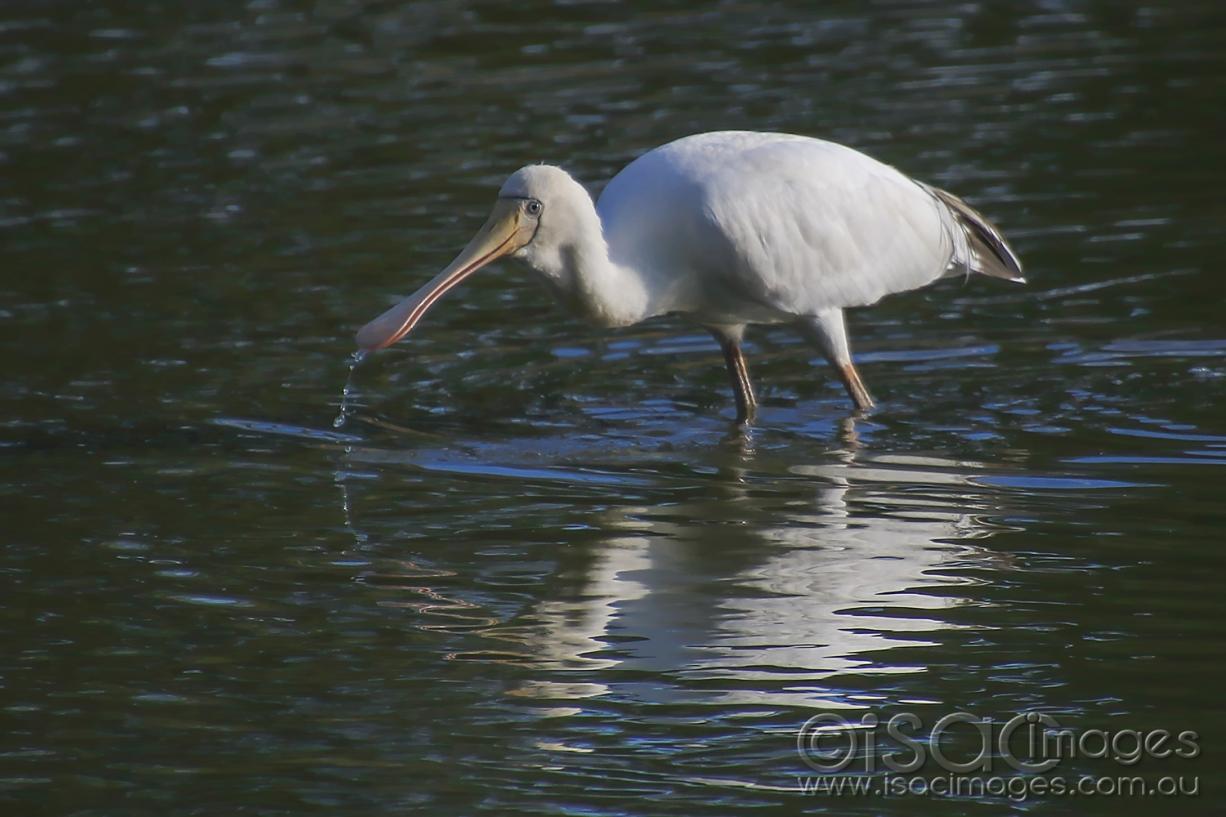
(1016, 758)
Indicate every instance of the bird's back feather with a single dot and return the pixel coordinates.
(761, 227)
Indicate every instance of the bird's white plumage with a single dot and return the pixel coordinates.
(728, 229)
(760, 227)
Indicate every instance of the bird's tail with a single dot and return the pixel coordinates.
(987, 252)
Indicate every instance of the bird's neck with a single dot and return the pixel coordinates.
(609, 294)
(582, 276)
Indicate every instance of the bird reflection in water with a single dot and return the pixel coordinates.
(758, 592)
(767, 603)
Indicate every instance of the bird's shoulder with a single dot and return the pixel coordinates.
(749, 175)
(749, 158)
(803, 223)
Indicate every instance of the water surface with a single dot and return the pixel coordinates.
(537, 571)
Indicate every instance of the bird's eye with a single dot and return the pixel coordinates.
(533, 207)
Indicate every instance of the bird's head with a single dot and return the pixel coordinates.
(529, 221)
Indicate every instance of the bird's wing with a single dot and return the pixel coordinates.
(987, 251)
(809, 225)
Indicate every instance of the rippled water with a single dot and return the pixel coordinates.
(537, 571)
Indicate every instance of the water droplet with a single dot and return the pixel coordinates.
(347, 390)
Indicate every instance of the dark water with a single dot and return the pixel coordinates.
(536, 572)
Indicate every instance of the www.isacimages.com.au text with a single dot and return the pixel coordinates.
(1016, 787)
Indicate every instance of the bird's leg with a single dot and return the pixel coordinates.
(746, 403)
(855, 386)
(829, 333)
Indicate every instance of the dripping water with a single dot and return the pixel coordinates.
(354, 360)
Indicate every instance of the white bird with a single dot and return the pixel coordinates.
(727, 229)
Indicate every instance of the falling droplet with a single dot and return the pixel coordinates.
(354, 360)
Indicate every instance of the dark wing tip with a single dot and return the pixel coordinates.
(996, 256)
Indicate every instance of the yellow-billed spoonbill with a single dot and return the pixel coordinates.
(727, 229)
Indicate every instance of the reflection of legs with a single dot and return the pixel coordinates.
(850, 439)
(828, 332)
(739, 372)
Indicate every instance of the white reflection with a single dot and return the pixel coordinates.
(783, 597)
